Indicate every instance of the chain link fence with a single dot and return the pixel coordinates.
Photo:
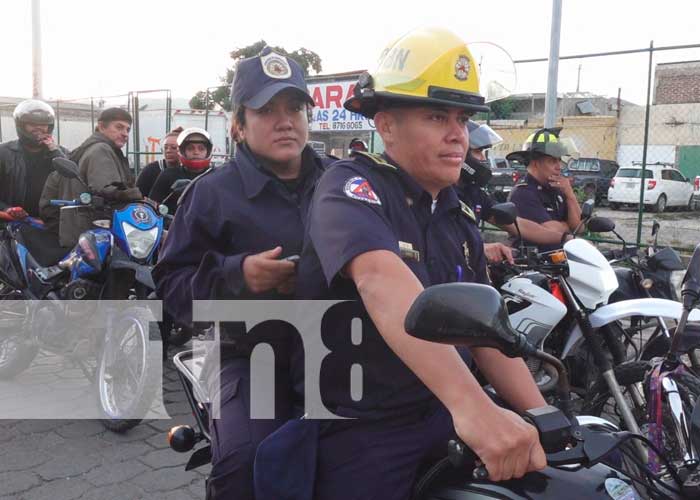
(635, 119)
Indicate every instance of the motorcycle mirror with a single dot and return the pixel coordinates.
(601, 225)
(163, 209)
(465, 314)
(587, 209)
(66, 168)
(504, 214)
(690, 289)
(655, 227)
(179, 185)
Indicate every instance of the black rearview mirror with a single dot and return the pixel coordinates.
(587, 209)
(601, 225)
(466, 314)
(655, 227)
(504, 214)
(66, 168)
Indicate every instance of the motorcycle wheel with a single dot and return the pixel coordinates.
(600, 402)
(127, 374)
(16, 354)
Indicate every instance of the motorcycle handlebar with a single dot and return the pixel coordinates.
(65, 203)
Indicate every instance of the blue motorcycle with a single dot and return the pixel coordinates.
(48, 294)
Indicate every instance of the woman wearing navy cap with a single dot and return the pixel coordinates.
(235, 227)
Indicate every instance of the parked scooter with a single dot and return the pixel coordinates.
(110, 262)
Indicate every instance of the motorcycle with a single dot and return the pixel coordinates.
(40, 303)
(585, 455)
(648, 275)
(558, 300)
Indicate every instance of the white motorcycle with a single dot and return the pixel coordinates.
(559, 301)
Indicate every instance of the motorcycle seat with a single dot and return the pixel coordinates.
(42, 245)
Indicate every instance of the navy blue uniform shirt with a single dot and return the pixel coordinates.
(539, 203)
(477, 198)
(365, 204)
(225, 215)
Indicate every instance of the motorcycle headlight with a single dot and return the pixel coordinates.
(140, 242)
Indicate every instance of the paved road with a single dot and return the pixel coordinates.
(79, 459)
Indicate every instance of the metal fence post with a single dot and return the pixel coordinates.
(92, 115)
(168, 111)
(642, 180)
(58, 122)
(206, 111)
(137, 136)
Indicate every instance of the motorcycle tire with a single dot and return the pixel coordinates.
(114, 371)
(16, 354)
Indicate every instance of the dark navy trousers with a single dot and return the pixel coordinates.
(235, 436)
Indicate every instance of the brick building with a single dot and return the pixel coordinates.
(677, 83)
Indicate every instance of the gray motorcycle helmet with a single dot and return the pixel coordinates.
(35, 112)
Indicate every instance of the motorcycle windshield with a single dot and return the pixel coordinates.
(591, 276)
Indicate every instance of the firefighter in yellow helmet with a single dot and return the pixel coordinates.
(545, 197)
(380, 230)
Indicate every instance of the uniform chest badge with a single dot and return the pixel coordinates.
(276, 66)
(462, 68)
(561, 200)
(407, 252)
(358, 188)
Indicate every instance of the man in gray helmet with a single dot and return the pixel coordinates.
(25, 163)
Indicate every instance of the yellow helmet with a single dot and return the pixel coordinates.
(427, 65)
(545, 142)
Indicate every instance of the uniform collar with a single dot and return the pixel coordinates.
(447, 197)
(530, 180)
(254, 177)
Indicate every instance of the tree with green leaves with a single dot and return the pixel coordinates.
(307, 59)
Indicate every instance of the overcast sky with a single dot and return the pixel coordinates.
(99, 47)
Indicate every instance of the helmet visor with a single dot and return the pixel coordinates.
(483, 137)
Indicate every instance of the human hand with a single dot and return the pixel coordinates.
(16, 213)
(507, 445)
(561, 183)
(49, 142)
(264, 271)
(498, 252)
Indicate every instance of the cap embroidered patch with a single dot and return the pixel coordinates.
(276, 66)
(359, 189)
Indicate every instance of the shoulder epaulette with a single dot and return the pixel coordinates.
(467, 211)
(376, 160)
(196, 179)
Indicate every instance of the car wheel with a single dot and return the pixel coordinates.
(660, 205)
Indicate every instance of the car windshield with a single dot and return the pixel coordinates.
(634, 173)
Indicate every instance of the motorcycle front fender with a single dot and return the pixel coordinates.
(142, 273)
(640, 307)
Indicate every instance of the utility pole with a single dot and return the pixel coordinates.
(578, 80)
(550, 103)
(37, 90)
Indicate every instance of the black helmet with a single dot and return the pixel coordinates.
(544, 142)
(34, 112)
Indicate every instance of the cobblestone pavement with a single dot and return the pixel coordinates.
(80, 459)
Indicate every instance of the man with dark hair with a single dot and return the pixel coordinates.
(102, 166)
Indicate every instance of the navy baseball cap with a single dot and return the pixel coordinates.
(258, 79)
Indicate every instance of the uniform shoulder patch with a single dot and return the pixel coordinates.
(467, 211)
(358, 188)
(196, 179)
(374, 159)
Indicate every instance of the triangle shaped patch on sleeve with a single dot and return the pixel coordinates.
(358, 188)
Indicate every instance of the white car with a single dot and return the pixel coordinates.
(664, 186)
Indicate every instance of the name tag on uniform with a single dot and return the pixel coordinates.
(407, 252)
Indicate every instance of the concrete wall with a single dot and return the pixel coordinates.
(594, 136)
